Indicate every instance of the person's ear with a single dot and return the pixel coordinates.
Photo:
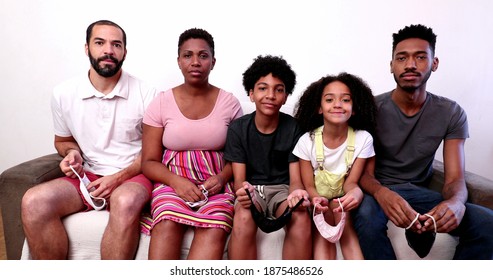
(434, 65)
(213, 63)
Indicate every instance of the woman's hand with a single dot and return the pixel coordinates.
(214, 185)
(187, 190)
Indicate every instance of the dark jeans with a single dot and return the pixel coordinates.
(475, 232)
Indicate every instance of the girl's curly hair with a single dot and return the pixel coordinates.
(307, 108)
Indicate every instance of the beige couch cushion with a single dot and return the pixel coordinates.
(86, 229)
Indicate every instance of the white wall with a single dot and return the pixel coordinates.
(42, 44)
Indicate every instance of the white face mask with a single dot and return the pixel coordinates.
(331, 233)
(97, 203)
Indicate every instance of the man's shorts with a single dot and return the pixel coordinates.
(139, 179)
(270, 197)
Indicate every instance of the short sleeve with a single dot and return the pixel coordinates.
(152, 115)
(458, 127)
(233, 149)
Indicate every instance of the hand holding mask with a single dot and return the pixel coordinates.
(330, 233)
(266, 224)
(421, 243)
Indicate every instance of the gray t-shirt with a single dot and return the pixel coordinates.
(405, 146)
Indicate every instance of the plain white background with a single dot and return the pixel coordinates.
(42, 44)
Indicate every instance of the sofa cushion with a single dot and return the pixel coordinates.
(85, 230)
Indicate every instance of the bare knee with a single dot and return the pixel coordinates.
(300, 225)
(243, 223)
(128, 202)
(36, 206)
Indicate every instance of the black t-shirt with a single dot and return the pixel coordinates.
(267, 156)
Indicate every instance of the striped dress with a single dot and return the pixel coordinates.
(197, 166)
(193, 151)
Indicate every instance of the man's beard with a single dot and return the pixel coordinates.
(413, 88)
(107, 70)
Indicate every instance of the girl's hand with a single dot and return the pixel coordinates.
(349, 201)
(321, 204)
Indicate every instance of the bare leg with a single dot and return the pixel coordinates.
(349, 242)
(166, 240)
(208, 244)
(42, 209)
(121, 236)
(298, 240)
(243, 242)
(323, 249)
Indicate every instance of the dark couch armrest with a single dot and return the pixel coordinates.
(14, 182)
(480, 189)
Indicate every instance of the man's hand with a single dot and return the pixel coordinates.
(448, 214)
(396, 208)
(74, 159)
(105, 186)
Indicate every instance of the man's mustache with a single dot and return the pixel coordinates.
(105, 57)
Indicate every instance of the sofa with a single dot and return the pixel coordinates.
(85, 229)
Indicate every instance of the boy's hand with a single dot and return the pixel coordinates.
(242, 196)
(297, 195)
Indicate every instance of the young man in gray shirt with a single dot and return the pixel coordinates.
(411, 124)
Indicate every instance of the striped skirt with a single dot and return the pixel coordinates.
(197, 166)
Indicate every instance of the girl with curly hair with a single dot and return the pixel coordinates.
(337, 114)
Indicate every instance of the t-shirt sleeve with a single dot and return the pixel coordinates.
(297, 133)
(233, 148)
(236, 109)
(458, 127)
(368, 150)
(152, 115)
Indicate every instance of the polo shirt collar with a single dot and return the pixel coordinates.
(121, 89)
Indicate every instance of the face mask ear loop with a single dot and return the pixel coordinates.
(340, 204)
(338, 199)
(251, 199)
(434, 223)
(314, 208)
(415, 219)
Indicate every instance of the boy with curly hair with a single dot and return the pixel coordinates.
(260, 145)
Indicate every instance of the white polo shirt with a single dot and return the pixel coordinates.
(108, 128)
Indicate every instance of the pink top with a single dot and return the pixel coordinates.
(181, 133)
